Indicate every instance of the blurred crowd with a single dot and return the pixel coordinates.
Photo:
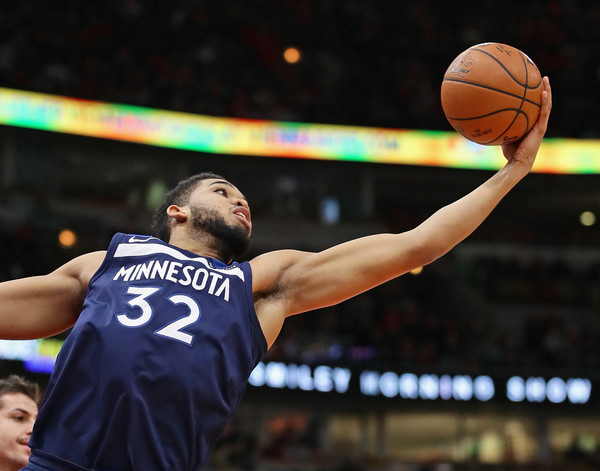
(363, 63)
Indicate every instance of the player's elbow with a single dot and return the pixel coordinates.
(426, 250)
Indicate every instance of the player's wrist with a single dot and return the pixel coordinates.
(516, 169)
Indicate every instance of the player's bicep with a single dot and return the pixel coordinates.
(336, 274)
(305, 281)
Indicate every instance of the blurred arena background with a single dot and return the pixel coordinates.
(487, 359)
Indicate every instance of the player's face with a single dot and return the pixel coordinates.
(17, 415)
(220, 209)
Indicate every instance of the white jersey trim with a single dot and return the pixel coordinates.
(140, 250)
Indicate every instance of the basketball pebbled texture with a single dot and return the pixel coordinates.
(492, 93)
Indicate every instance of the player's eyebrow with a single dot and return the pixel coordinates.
(225, 182)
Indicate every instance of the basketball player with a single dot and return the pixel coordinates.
(167, 329)
(18, 410)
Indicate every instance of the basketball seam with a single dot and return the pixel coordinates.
(475, 84)
(518, 110)
(524, 85)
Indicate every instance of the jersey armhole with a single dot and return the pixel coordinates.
(110, 251)
(258, 332)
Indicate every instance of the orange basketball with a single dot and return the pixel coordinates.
(492, 94)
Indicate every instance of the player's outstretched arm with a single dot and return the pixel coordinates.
(41, 306)
(289, 282)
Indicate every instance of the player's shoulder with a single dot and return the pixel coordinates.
(87, 260)
(82, 267)
(268, 268)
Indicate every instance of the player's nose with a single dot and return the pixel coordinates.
(242, 202)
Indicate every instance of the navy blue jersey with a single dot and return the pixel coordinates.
(155, 365)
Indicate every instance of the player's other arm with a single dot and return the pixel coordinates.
(290, 282)
(41, 306)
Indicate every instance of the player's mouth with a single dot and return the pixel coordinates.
(244, 214)
(25, 444)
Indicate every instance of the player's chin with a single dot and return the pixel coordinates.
(24, 458)
(242, 230)
(247, 225)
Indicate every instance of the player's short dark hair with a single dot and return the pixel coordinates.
(179, 195)
(16, 384)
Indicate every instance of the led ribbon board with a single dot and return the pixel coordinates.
(39, 356)
(278, 139)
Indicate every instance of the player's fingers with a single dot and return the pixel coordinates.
(539, 130)
(542, 123)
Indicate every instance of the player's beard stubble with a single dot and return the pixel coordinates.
(231, 241)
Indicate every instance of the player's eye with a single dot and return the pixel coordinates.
(221, 191)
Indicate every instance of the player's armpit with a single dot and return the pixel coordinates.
(42, 306)
(274, 286)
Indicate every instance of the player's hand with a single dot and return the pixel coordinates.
(525, 150)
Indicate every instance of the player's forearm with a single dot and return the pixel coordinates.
(455, 222)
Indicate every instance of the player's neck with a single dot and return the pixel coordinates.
(203, 245)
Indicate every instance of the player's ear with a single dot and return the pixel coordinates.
(177, 213)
